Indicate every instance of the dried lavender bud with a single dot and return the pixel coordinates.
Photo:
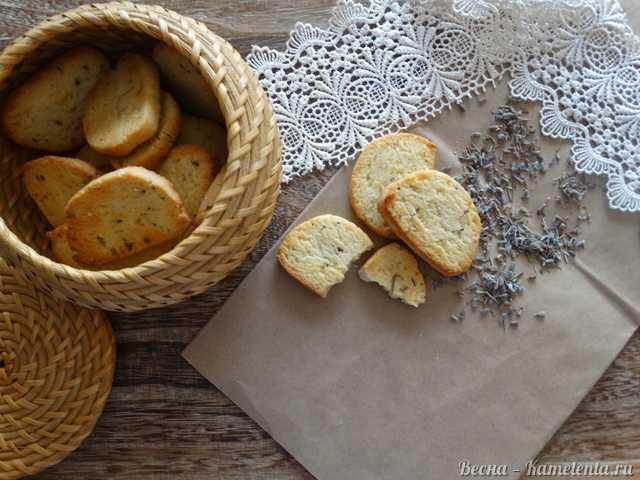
(572, 185)
(496, 169)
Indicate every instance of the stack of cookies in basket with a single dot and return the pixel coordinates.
(125, 154)
(397, 193)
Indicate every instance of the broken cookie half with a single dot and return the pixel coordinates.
(319, 251)
(396, 270)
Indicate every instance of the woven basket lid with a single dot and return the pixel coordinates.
(57, 363)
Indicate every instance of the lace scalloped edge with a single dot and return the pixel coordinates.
(385, 66)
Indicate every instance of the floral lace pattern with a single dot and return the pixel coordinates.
(384, 66)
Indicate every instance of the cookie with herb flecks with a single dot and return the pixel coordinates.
(151, 152)
(319, 251)
(122, 110)
(186, 82)
(63, 253)
(435, 216)
(207, 132)
(52, 180)
(121, 213)
(191, 169)
(380, 163)
(45, 112)
(396, 270)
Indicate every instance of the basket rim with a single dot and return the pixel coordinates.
(240, 179)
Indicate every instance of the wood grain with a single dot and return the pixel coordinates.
(164, 420)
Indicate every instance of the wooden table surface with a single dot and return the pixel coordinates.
(164, 420)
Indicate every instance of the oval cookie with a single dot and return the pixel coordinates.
(435, 216)
(45, 112)
(122, 213)
(380, 163)
(122, 111)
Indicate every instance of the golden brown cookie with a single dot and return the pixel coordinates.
(319, 251)
(122, 213)
(52, 181)
(207, 132)
(151, 152)
(191, 169)
(63, 253)
(45, 112)
(186, 83)
(396, 270)
(435, 216)
(380, 163)
(122, 111)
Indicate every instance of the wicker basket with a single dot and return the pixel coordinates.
(57, 363)
(244, 206)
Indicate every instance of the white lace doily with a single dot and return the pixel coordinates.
(387, 65)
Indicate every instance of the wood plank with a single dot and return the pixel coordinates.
(164, 420)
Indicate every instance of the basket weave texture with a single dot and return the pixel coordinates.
(246, 201)
(57, 363)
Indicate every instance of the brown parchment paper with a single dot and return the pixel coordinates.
(358, 386)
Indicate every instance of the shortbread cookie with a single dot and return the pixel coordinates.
(52, 181)
(191, 169)
(380, 163)
(207, 132)
(121, 213)
(63, 253)
(45, 112)
(149, 154)
(98, 159)
(185, 82)
(319, 251)
(122, 111)
(396, 269)
(435, 216)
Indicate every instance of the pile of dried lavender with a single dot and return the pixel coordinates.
(497, 169)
